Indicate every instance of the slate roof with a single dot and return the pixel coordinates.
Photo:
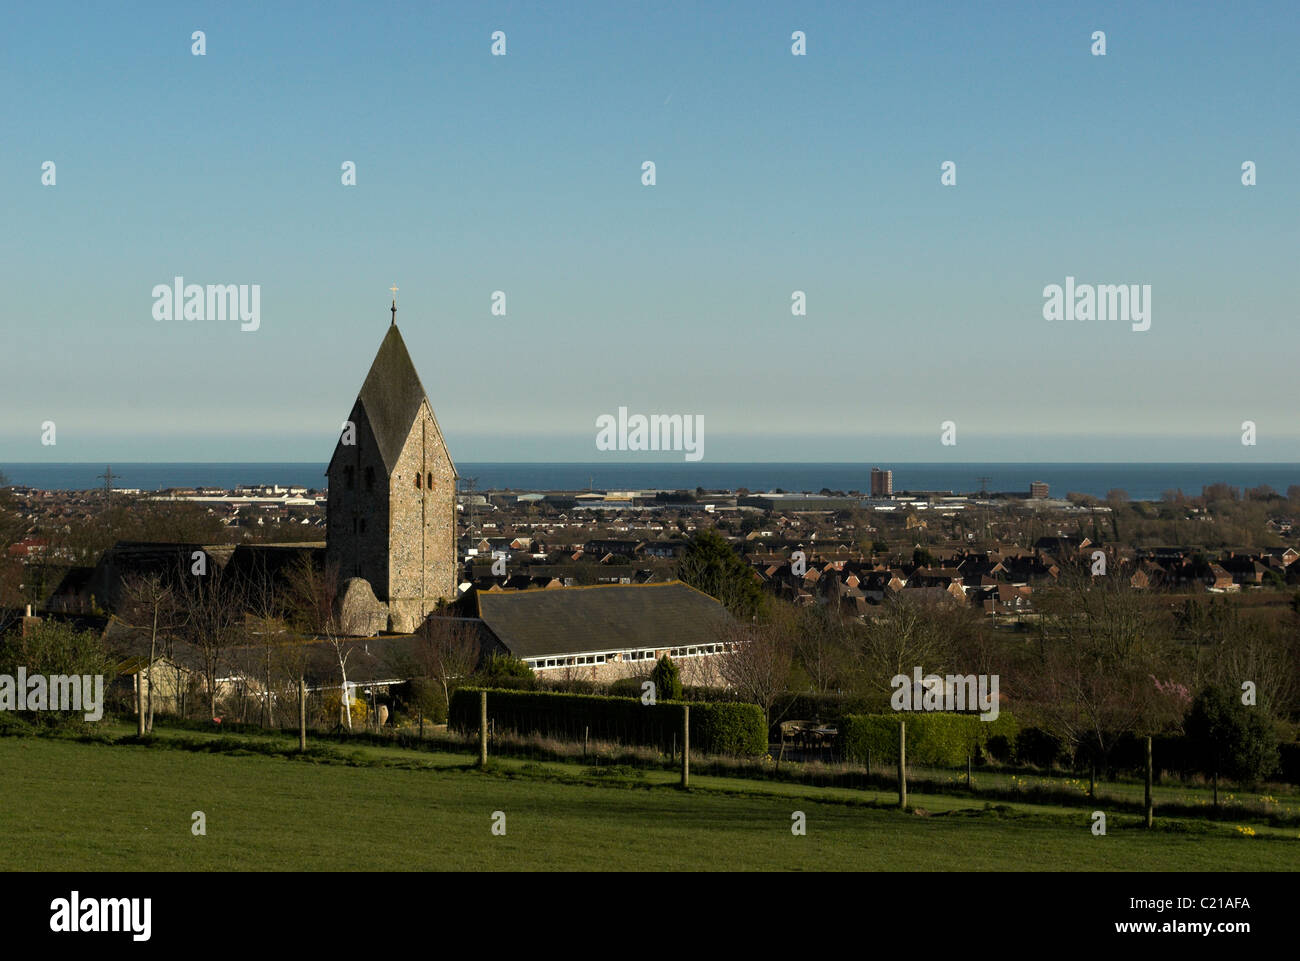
(391, 397)
(574, 620)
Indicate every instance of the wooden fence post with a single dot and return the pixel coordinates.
(1149, 807)
(302, 714)
(686, 745)
(482, 729)
(902, 764)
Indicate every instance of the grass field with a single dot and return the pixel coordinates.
(67, 805)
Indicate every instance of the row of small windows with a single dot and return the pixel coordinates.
(575, 661)
(349, 479)
(579, 660)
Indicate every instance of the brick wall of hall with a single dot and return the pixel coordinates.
(422, 536)
(357, 512)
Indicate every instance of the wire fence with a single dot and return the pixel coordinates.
(376, 715)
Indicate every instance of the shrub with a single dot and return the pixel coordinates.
(1288, 769)
(333, 702)
(54, 647)
(933, 739)
(625, 687)
(1038, 748)
(422, 696)
(499, 666)
(57, 648)
(1000, 748)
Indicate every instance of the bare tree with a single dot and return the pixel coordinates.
(821, 638)
(215, 604)
(314, 597)
(149, 604)
(1094, 675)
(907, 634)
(447, 650)
(757, 662)
(1267, 655)
(267, 609)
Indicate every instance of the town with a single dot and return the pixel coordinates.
(989, 550)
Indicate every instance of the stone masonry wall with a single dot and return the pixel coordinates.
(422, 533)
(357, 514)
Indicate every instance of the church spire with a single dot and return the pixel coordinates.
(394, 307)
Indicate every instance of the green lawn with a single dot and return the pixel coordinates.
(72, 806)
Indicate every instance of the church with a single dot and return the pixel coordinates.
(391, 513)
(391, 541)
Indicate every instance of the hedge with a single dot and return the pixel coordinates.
(716, 728)
(1172, 753)
(1176, 754)
(631, 687)
(933, 739)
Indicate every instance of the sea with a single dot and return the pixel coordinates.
(1139, 481)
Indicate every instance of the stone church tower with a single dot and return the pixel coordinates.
(391, 513)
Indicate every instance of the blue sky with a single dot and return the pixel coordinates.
(775, 173)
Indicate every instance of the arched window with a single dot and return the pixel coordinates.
(417, 480)
(429, 482)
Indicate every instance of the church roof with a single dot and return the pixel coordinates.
(574, 620)
(391, 396)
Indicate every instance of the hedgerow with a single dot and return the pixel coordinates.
(716, 728)
(933, 739)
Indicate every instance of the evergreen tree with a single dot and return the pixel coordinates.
(710, 565)
(1229, 738)
(667, 680)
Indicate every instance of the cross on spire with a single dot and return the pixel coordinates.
(394, 308)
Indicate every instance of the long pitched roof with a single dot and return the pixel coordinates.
(573, 620)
